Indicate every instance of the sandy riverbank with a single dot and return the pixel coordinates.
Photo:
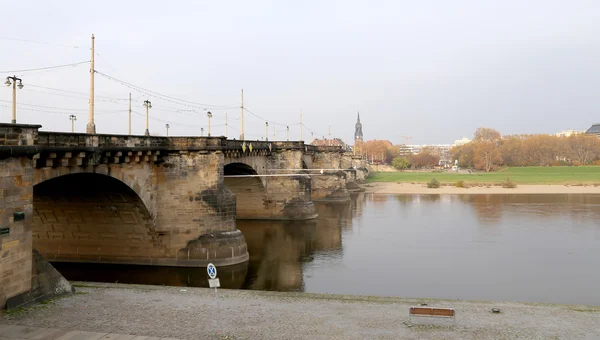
(421, 188)
(191, 313)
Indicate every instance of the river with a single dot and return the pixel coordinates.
(526, 248)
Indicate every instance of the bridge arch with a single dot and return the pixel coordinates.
(139, 180)
(252, 200)
(92, 217)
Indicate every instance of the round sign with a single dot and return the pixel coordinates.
(211, 270)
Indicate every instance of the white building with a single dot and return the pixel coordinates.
(567, 133)
(462, 141)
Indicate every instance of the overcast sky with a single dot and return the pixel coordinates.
(432, 70)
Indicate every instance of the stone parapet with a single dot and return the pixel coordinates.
(18, 134)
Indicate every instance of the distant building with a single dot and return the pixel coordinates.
(594, 130)
(567, 133)
(442, 150)
(462, 141)
(332, 142)
(358, 134)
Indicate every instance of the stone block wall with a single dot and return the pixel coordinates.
(93, 218)
(16, 210)
(330, 186)
(197, 211)
(279, 197)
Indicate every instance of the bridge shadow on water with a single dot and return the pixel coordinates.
(278, 252)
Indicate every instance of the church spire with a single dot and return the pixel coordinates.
(358, 135)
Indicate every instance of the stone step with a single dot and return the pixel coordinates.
(14, 332)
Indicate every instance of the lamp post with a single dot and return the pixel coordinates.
(14, 96)
(209, 114)
(147, 105)
(267, 129)
(167, 126)
(287, 133)
(202, 132)
(72, 118)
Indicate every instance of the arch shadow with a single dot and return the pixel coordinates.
(88, 217)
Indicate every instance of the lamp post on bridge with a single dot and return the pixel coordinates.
(147, 105)
(167, 126)
(201, 132)
(14, 95)
(288, 133)
(72, 118)
(267, 130)
(209, 114)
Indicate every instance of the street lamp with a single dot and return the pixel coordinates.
(267, 127)
(288, 133)
(201, 132)
(167, 126)
(14, 96)
(147, 105)
(72, 118)
(209, 114)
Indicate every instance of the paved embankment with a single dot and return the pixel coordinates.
(191, 313)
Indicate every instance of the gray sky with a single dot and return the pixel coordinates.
(433, 70)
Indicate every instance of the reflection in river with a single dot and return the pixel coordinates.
(541, 248)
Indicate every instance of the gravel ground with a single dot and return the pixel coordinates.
(192, 313)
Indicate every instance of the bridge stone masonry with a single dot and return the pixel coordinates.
(166, 201)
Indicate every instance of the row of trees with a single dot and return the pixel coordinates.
(385, 152)
(489, 150)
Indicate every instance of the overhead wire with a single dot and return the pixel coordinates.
(61, 112)
(75, 92)
(39, 42)
(54, 108)
(45, 68)
(178, 101)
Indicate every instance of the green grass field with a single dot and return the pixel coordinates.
(525, 175)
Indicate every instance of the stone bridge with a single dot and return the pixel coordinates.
(166, 201)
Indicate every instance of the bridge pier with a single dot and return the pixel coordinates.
(269, 186)
(331, 184)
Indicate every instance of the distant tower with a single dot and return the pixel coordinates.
(358, 135)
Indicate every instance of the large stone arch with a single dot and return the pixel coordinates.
(141, 178)
(252, 199)
(93, 217)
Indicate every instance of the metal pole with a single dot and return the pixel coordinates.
(209, 115)
(130, 113)
(14, 101)
(300, 124)
(267, 131)
(91, 127)
(242, 127)
(226, 134)
(148, 105)
(147, 132)
(167, 126)
(287, 133)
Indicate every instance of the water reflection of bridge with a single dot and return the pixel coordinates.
(279, 249)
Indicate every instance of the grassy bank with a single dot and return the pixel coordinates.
(524, 175)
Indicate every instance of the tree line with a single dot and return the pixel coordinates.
(489, 150)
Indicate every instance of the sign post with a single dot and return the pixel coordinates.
(213, 282)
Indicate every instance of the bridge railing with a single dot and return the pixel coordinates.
(54, 139)
(323, 148)
(264, 145)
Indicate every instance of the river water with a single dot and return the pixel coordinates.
(529, 248)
